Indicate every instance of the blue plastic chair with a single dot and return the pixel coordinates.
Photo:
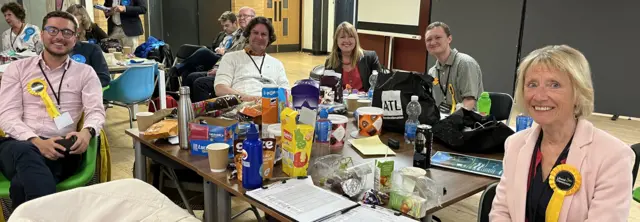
(134, 86)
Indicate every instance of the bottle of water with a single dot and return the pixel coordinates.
(373, 79)
(413, 111)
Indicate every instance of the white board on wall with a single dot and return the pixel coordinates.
(398, 18)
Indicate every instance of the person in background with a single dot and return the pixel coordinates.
(20, 36)
(453, 68)
(229, 25)
(245, 72)
(88, 30)
(204, 59)
(123, 22)
(29, 156)
(565, 153)
(350, 60)
(91, 54)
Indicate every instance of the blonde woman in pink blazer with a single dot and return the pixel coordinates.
(564, 169)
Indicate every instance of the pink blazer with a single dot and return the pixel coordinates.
(605, 164)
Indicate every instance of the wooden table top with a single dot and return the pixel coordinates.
(459, 185)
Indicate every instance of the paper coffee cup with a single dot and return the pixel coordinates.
(352, 102)
(218, 157)
(111, 50)
(338, 132)
(369, 121)
(118, 56)
(126, 50)
(145, 120)
(363, 103)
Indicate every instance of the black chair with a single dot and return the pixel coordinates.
(636, 150)
(317, 72)
(486, 200)
(501, 104)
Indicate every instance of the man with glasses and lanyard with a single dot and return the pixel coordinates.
(43, 99)
(458, 79)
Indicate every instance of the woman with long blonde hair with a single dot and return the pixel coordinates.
(87, 30)
(348, 58)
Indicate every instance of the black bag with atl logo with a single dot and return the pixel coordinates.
(393, 92)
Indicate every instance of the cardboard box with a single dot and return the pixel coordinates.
(305, 93)
(215, 131)
(297, 140)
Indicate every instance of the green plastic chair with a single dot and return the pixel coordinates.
(636, 194)
(79, 179)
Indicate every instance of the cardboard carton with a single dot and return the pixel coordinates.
(216, 130)
(297, 140)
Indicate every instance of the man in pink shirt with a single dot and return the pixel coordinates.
(29, 155)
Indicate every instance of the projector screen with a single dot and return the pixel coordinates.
(398, 18)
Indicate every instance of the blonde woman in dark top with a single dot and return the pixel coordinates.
(87, 31)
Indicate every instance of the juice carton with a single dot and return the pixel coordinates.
(297, 140)
(269, 104)
(284, 100)
(383, 173)
(208, 130)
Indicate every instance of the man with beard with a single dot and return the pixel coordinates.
(30, 156)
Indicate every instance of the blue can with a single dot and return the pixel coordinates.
(523, 122)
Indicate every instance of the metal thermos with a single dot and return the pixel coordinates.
(185, 114)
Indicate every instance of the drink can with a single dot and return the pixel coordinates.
(523, 122)
(423, 146)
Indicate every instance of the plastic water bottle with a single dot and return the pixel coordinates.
(484, 104)
(413, 111)
(321, 147)
(373, 79)
(252, 161)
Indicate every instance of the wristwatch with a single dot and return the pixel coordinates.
(92, 131)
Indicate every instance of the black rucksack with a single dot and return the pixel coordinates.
(393, 92)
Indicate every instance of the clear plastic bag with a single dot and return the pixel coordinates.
(413, 195)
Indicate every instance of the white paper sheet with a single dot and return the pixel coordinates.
(301, 200)
(365, 213)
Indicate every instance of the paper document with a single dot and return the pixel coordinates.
(301, 200)
(365, 213)
(371, 146)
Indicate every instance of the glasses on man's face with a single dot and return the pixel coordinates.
(246, 16)
(53, 31)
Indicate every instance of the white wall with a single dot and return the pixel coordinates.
(307, 26)
(36, 10)
(331, 20)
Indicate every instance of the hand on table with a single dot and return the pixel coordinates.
(220, 51)
(82, 141)
(49, 148)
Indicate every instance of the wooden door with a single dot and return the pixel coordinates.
(285, 17)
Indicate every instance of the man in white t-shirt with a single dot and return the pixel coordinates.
(247, 71)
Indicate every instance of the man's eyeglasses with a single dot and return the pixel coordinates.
(246, 16)
(66, 33)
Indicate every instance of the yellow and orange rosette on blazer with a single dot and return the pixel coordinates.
(38, 87)
(565, 180)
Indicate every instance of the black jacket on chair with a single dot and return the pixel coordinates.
(366, 65)
(130, 19)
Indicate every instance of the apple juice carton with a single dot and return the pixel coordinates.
(297, 140)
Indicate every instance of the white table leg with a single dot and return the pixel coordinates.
(163, 90)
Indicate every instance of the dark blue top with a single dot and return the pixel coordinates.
(94, 57)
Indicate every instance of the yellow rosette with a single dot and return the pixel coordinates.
(38, 87)
(453, 99)
(565, 180)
